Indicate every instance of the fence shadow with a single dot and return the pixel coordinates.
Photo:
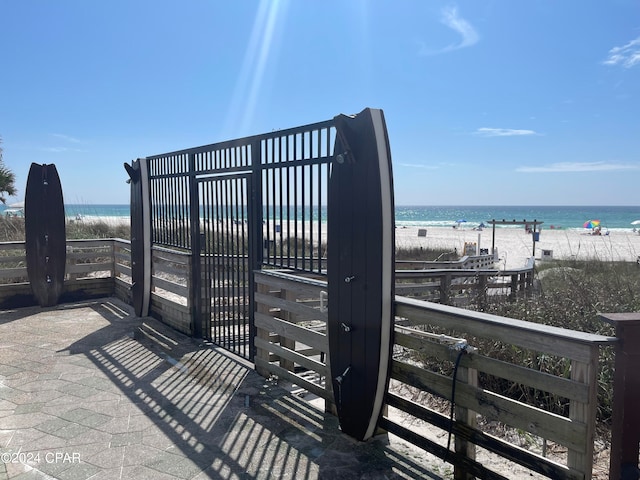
(211, 413)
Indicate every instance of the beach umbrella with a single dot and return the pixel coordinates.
(462, 220)
(591, 224)
(635, 222)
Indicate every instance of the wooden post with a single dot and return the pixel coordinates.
(482, 291)
(468, 417)
(625, 429)
(289, 343)
(585, 372)
(445, 285)
(261, 333)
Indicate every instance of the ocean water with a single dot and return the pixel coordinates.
(567, 217)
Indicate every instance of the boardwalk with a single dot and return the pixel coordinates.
(89, 391)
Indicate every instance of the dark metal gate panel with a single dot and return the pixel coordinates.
(170, 202)
(225, 253)
(294, 185)
(251, 203)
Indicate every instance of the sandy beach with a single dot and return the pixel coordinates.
(515, 245)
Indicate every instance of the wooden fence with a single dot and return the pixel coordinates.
(98, 268)
(462, 287)
(292, 344)
(291, 324)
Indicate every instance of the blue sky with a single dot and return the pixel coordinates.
(487, 102)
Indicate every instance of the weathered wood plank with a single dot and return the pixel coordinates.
(124, 269)
(293, 378)
(494, 444)
(10, 273)
(169, 286)
(90, 243)
(471, 466)
(563, 387)
(89, 267)
(543, 338)
(293, 356)
(303, 286)
(298, 308)
(170, 270)
(496, 407)
(585, 412)
(287, 329)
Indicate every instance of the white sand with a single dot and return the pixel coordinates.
(514, 245)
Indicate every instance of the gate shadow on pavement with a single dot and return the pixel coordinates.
(194, 411)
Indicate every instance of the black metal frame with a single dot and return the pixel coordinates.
(239, 206)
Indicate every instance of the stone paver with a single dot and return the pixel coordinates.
(84, 395)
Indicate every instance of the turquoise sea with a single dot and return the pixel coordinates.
(569, 217)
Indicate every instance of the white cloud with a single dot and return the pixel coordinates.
(502, 132)
(450, 18)
(66, 138)
(418, 165)
(574, 167)
(627, 56)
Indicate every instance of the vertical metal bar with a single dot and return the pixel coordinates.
(243, 278)
(228, 246)
(205, 249)
(311, 167)
(196, 319)
(280, 194)
(256, 239)
(219, 268)
(236, 263)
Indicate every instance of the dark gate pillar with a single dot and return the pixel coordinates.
(196, 249)
(361, 248)
(625, 429)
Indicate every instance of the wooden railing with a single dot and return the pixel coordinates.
(102, 267)
(461, 287)
(468, 262)
(291, 340)
(171, 295)
(292, 345)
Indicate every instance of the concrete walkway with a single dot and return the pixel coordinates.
(89, 391)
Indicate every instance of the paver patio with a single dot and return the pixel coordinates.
(87, 390)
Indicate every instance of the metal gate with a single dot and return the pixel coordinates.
(238, 206)
(226, 256)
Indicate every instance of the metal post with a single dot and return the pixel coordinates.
(625, 429)
(196, 271)
(255, 213)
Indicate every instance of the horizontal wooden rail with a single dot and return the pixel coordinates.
(575, 430)
(291, 340)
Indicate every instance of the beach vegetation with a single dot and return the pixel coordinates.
(7, 179)
(569, 294)
(12, 230)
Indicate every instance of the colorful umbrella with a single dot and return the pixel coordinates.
(591, 224)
